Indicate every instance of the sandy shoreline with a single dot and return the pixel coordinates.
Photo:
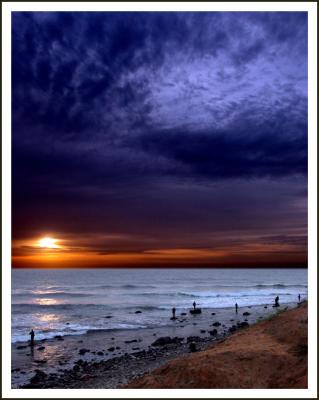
(115, 358)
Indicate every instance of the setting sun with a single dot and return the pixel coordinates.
(48, 243)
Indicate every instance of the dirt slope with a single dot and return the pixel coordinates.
(271, 354)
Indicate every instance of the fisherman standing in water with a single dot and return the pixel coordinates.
(277, 301)
(236, 307)
(31, 337)
(194, 305)
(173, 312)
(298, 298)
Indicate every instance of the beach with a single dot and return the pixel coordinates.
(98, 360)
(103, 329)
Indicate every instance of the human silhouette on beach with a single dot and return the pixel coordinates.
(194, 305)
(173, 312)
(31, 333)
(236, 307)
(299, 298)
(277, 301)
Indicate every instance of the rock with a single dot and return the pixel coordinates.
(100, 353)
(135, 348)
(231, 320)
(38, 377)
(193, 339)
(173, 318)
(41, 348)
(194, 323)
(111, 349)
(83, 351)
(117, 347)
(213, 313)
(213, 332)
(40, 361)
(76, 368)
(232, 329)
(164, 340)
(246, 313)
(130, 341)
(265, 307)
(196, 311)
(138, 312)
(108, 316)
(202, 331)
(192, 347)
(21, 347)
(183, 313)
(216, 324)
(242, 324)
(80, 341)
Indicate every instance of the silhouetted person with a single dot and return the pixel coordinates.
(299, 298)
(173, 312)
(31, 338)
(277, 301)
(194, 305)
(236, 307)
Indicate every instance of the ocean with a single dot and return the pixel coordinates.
(78, 301)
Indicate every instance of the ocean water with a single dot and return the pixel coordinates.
(72, 302)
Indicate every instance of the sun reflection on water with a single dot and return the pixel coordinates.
(46, 302)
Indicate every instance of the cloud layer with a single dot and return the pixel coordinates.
(147, 123)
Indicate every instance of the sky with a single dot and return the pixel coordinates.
(159, 139)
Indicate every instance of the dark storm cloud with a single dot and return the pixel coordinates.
(159, 123)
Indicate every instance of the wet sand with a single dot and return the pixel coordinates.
(109, 359)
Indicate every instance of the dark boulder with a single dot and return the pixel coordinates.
(138, 312)
(196, 311)
(246, 313)
(232, 329)
(108, 316)
(243, 324)
(100, 353)
(216, 323)
(111, 349)
(193, 339)
(192, 347)
(213, 332)
(213, 313)
(21, 347)
(183, 313)
(164, 340)
(202, 331)
(38, 377)
(83, 351)
(130, 341)
(41, 348)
